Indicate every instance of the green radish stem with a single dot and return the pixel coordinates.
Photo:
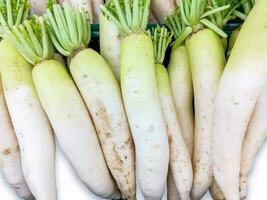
(181, 81)
(140, 95)
(206, 56)
(180, 161)
(242, 82)
(65, 108)
(104, 101)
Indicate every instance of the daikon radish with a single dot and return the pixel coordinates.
(140, 95)
(242, 82)
(104, 101)
(180, 162)
(65, 108)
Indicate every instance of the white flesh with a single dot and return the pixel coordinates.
(255, 136)
(242, 82)
(10, 160)
(32, 128)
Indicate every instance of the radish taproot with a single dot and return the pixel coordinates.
(140, 95)
(180, 161)
(33, 130)
(241, 84)
(65, 108)
(101, 93)
(181, 82)
(207, 60)
(10, 157)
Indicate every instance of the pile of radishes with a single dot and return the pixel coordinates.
(132, 123)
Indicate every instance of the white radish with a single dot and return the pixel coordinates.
(66, 110)
(33, 130)
(101, 93)
(38, 7)
(255, 137)
(162, 8)
(242, 82)
(10, 160)
(180, 162)
(140, 95)
(34, 133)
(181, 82)
(182, 90)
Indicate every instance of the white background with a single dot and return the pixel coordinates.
(70, 188)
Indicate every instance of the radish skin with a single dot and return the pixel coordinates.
(110, 39)
(182, 90)
(255, 137)
(180, 162)
(242, 82)
(104, 102)
(206, 66)
(68, 115)
(10, 160)
(31, 125)
(141, 98)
